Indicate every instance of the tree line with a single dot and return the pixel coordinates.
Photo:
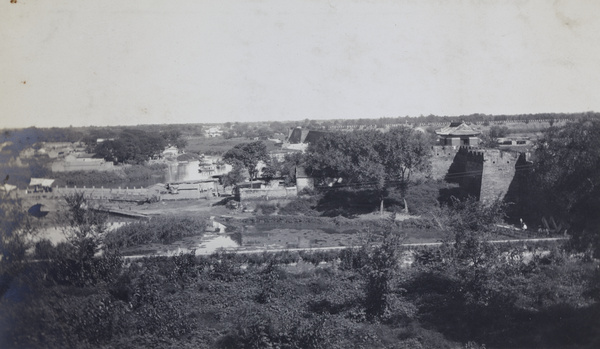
(136, 146)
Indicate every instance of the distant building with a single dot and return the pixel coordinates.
(299, 139)
(100, 140)
(298, 135)
(458, 134)
(170, 152)
(61, 149)
(214, 132)
(40, 185)
(279, 154)
(81, 162)
(517, 143)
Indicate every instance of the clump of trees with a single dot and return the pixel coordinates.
(490, 139)
(566, 180)
(247, 156)
(137, 146)
(16, 232)
(162, 230)
(368, 158)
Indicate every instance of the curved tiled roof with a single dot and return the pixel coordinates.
(461, 129)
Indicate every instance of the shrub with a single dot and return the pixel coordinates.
(300, 206)
(266, 209)
(158, 230)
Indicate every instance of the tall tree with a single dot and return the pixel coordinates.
(567, 168)
(248, 155)
(131, 145)
(16, 232)
(235, 176)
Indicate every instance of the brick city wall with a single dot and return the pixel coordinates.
(483, 173)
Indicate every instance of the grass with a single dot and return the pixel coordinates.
(162, 230)
(217, 145)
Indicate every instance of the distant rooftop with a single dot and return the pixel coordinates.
(457, 129)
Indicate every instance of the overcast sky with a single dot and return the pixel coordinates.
(72, 62)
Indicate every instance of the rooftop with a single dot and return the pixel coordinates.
(457, 129)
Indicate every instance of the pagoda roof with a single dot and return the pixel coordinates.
(457, 129)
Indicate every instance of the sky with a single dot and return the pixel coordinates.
(81, 63)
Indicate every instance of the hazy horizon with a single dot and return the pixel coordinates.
(198, 61)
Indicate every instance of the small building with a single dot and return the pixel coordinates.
(279, 154)
(81, 162)
(299, 139)
(297, 135)
(303, 180)
(40, 185)
(458, 134)
(514, 143)
(170, 152)
(260, 190)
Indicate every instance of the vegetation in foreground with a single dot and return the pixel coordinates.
(467, 293)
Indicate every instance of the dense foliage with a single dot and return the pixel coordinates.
(163, 230)
(567, 171)
(361, 298)
(370, 158)
(16, 231)
(133, 174)
(131, 146)
(247, 155)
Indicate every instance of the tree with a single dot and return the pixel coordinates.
(490, 139)
(567, 171)
(85, 230)
(271, 170)
(174, 138)
(287, 168)
(468, 225)
(247, 155)
(404, 151)
(16, 231)
(133, 146)
(466, 259)
(380, 269)
(368, 158)
(235, 176)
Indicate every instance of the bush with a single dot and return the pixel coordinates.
(300, 206)
(266, 209)
(163, 230)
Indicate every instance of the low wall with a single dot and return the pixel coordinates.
(187, 195)
(268, 193)
(133, 194)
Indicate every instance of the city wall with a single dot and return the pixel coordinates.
(483, 173)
